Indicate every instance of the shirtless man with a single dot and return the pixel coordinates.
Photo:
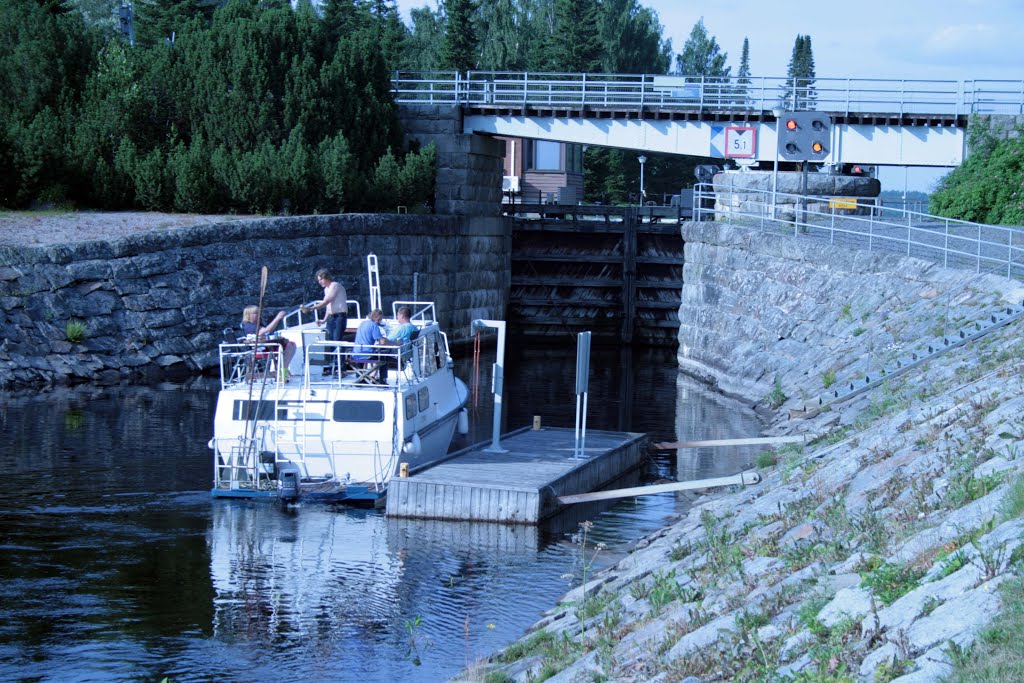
(336, 302)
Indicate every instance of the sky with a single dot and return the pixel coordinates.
(891, 39)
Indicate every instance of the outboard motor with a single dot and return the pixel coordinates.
(287, 481)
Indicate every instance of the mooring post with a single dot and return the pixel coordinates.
(497, 380)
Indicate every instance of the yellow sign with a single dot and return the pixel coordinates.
(842, 203)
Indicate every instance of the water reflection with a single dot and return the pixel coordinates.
(117, 565)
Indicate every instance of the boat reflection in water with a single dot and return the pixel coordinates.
(361, 596)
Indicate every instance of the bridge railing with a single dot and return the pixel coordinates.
(505, 89)
(862, 223)
(995, 97)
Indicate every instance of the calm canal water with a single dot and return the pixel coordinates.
(115, 564)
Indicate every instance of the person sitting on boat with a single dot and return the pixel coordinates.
(402, 334)
(250, 327)
(368, 335)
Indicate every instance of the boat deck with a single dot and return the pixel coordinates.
(520, 486)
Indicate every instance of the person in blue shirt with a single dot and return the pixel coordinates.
(368, 335)
(402, 334)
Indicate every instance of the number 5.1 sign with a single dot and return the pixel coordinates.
(740, 142)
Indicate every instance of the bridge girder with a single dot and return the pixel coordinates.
(886, 143)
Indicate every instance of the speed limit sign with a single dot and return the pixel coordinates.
(741, 142)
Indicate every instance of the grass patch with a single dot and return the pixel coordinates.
(765, 460)
(889, 582)
(1013, 503)
(74, 331)
(996, 656)
(776, 397)
(828, 378)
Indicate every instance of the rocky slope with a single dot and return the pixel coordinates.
(876, 551)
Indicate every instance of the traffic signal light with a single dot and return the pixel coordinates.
(804, 135)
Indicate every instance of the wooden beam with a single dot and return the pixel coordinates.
(741, 479)
(713, 443)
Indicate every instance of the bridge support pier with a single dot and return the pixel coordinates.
(469, 167)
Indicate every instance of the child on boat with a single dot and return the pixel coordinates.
(250, 325)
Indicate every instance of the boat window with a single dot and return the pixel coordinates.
(410, 406)
(253, 410)
(424, 398)
(358, 411)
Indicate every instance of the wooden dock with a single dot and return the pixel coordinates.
(520, 486)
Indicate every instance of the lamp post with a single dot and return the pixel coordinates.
(777, 112)
(643, 160)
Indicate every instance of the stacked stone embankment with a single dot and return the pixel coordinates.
(878, 551)
(160, 301)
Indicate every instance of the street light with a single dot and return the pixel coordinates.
(777, 112)
(643, 160)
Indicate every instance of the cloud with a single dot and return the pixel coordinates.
(978, 43)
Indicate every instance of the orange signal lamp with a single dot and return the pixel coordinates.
(791, 124)
(817, 147)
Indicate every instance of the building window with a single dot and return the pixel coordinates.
(547, 155)
(574, 158)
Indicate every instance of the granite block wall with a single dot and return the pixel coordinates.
(159, 302)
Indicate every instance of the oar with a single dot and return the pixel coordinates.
(252, 366)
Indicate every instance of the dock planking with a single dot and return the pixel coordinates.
(520, 486)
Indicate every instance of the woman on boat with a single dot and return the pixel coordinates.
(250, 325)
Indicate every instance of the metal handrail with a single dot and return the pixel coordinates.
(704, 93)
(863, 223)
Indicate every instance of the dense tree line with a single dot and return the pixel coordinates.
(252, 106)
(267, 105)
(988, 187)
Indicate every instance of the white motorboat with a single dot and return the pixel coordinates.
(340, 436)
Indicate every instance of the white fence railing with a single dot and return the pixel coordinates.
(699, 93)
(863, 223)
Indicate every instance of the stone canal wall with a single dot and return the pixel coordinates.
(758, 306)
(158, 302)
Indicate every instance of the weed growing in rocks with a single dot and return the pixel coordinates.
(832, 652)
(891, 670)
(765, 460)
(1013, 503)
(828, 378)
(586, 563)
(889, 581)
(997, 655)
(724, 557)
(776, 397)
(680, 550)
(75, 331)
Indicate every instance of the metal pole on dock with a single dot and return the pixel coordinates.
(582, 389)
(497, 381)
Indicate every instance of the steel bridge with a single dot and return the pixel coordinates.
(874, 121)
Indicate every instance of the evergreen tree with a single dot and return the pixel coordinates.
(574, 42)
(800, 73)
(701, 55)
(460, 43)
(742, 85)
(45, 56)
(631, 36)
(158, 21)
(390, 31)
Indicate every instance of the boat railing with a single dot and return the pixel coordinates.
(250, 361)
(423, 312)
(297, 317)
(355, 364)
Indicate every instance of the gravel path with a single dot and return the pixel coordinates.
(46, 228)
